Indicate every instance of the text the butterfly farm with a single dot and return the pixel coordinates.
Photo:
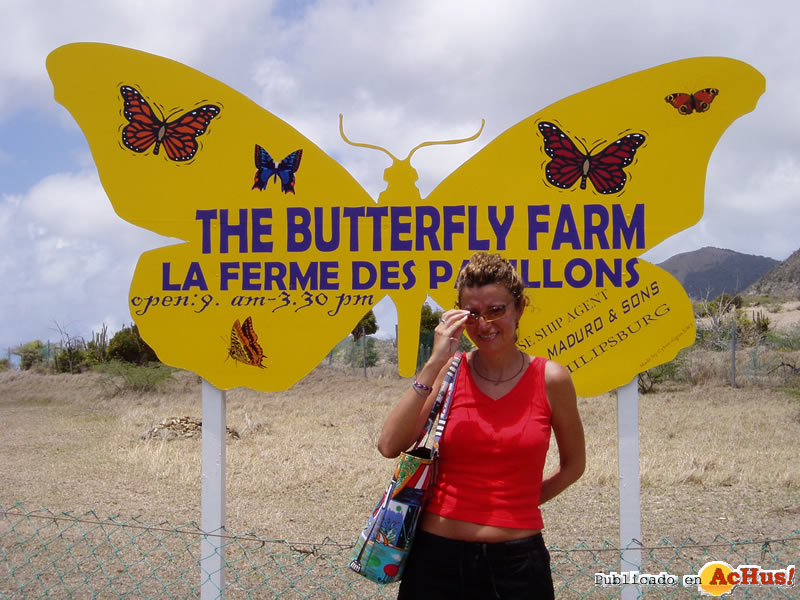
(283, 251)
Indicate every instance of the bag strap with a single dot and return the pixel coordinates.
(441, 407)
(452, 374)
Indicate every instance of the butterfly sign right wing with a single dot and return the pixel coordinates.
(284, 260)
(595, 306)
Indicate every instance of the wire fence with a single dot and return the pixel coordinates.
(48, 555)
(721, 356)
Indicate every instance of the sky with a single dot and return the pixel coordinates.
(401, 73)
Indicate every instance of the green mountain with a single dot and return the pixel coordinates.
(708, 272)
(782, 281)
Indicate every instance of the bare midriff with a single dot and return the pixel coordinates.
(472, 532)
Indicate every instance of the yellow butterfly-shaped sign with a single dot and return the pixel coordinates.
(284, 251)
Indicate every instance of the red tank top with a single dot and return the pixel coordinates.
(492, 453)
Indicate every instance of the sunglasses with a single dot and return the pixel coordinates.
(490, 314)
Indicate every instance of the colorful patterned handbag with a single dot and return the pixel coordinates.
(382, 548)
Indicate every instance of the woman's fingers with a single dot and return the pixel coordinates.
(454, 318)
(448, 331)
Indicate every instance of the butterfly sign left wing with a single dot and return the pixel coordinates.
(305, 267)
(246, 252)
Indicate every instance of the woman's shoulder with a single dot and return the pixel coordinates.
(558, 383)
(554, 372)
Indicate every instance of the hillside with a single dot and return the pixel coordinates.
(782, 281)
(708, 272)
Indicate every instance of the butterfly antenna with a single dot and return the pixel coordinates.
(460, 141)
(362, 145)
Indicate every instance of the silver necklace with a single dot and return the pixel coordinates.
(499, 381)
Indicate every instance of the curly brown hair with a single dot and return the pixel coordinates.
(484, 268)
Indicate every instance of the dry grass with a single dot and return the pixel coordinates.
(714, 460)
(781, 315)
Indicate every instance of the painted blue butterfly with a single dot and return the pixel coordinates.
(285, 169)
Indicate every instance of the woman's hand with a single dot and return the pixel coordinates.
(447, 335)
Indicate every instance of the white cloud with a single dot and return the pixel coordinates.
(67, 258)
(196, 33)
(762, 216)
(401, 73)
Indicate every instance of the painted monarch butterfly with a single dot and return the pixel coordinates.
(179, 136)
(604, 169)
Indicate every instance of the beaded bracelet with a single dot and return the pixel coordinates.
(420, 392)
(422, 386)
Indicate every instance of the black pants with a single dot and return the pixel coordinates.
(439, 568)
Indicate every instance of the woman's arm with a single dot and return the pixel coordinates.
(407, 418)
(568, 429)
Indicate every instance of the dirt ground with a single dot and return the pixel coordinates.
(715, 461)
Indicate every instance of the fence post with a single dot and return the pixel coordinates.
(212, 498)
(733, 354)
(630, 510)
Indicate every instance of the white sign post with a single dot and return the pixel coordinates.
(630, 510)
(212, 500)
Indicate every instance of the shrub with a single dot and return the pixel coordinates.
(786, 340)
(729, 301)
(119, 376)
(751, 332)
(71, 360)
(359, 353)
(429, 318)
(97, 347)
(715, 330)
(719, 306)
(366, 326)
(70, 355)
(30, 354)
(128, 346)
(670, 371)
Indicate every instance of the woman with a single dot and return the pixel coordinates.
(480, 535)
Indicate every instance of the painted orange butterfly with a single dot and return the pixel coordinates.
(179, 136)
(700, 101)
(244, 344)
